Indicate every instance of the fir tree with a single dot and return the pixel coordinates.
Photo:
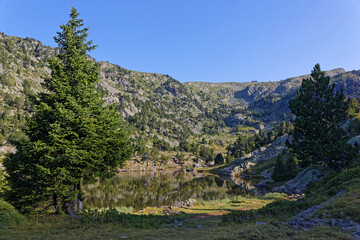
(219, 159)
(73, 138)
(319, 110)
(279, 169)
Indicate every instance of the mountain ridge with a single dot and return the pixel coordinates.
(155, 105)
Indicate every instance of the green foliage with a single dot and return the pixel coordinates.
(317, 136)
(126, 220)
(72, 138)
(7, 81)
(280, 208)
(354, 108)
(2, 182)
(344, 180)
(219, 159)
(17, 137)
(9, 216)
(245, 144)
(284, 127)
(279, 169)
(285, 167)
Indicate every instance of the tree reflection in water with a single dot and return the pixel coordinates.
(154, 189)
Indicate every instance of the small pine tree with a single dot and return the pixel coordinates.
(290, 166)
(279, 169)
(219, 159)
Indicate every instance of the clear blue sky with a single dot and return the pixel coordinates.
(204, 40)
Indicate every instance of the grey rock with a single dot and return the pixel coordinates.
(242, 164)
(354, 139)
(199, 227)
(299, 183)
(307, 220)
(185, 204)
(260, 223)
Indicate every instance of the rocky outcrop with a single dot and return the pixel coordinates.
(354, 140)
(307, 219)
(240, 119)
(242, 164)
(300, 182)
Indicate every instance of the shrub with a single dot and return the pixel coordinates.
(126, 220)
(9, 216)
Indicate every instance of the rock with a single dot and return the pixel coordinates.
(260, 223)
(185, 204)
(267, 173)
(306, 220)
(199, 227)
(235, 168)
(300, 182)
(354, 139)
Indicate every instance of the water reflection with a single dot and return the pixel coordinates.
(142, 189)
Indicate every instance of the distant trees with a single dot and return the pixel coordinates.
(72, 138)
(319, 111)
(245, 144)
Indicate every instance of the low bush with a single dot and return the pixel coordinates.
(125, 219)
(9, 216)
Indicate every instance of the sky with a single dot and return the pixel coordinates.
(204, 40)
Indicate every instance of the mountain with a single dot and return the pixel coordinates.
(156, 106)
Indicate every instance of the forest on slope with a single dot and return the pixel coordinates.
(162, 113)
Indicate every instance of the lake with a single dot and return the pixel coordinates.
(137, 190)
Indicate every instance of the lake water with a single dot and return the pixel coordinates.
(136, 190)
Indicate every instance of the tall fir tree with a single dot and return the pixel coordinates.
(319, 111)
(73, 138)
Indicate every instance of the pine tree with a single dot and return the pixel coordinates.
(279, 169)
(290, 166)
(219, 159)
(73, 138)
(319, 110)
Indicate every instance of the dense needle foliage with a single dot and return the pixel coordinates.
(73, 138)
(319, 110)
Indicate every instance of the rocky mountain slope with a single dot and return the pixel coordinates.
(156, 106)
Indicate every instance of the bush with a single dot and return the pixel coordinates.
(126, 220)
(9, 216)
(343, 180)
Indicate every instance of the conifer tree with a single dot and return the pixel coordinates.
(219, 159)
(73, 138)
(319, 111)
(279, 169)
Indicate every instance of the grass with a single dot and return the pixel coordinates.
(203, 221)
(58, 228)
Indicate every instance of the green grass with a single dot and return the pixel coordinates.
(58, 228)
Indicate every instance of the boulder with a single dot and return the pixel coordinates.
(307, 219)
(354, 139)
(240, 165)
(299, 183)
